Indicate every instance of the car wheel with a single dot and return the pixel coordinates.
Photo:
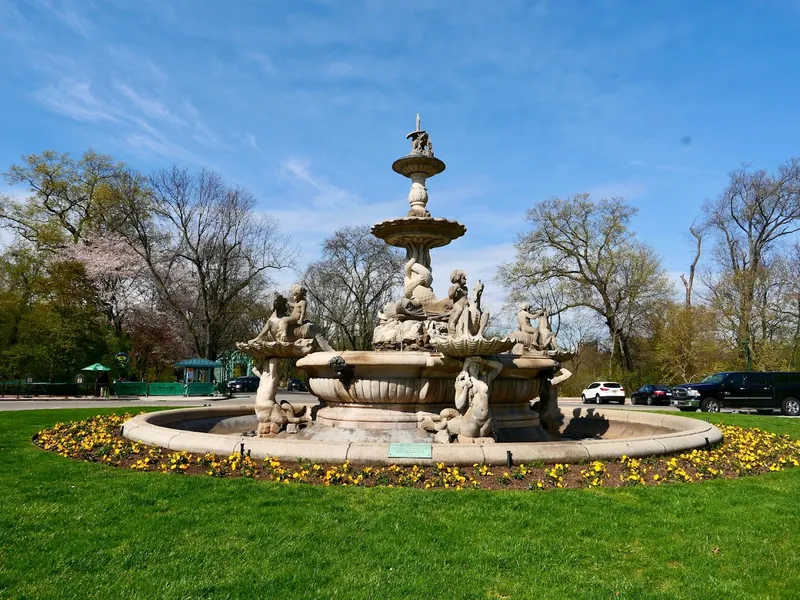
(790, 407)
(709, 405)
(597, 399)
(650, 401)
(583, 399)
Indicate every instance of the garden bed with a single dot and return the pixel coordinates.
(743, 452)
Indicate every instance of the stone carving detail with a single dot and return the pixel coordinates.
(421, 144)
(344, 372)
(471, 420)
(466, 323)
(274, 417)
(288, 323)
(547, 406)
(541, 338)
(286, 334)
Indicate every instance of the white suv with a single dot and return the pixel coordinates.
(603, 391)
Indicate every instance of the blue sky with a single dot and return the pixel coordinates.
(308, 102)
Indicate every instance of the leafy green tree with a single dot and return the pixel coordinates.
(66, 196)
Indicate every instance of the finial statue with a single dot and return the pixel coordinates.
(420, 141)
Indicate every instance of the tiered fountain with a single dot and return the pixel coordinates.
(434, 383)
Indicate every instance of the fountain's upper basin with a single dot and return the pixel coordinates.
(621, 432)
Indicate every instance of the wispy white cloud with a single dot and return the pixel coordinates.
(69, 14)
(328, 196)
(263, 61)
(202, 132)
(148, 106)
(251, 140)
(76, 100)
(145, 120)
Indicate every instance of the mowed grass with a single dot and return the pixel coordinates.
(70, 529)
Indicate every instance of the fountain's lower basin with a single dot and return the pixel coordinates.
(604, 434)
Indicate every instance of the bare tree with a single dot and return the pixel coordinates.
(208, 251)
(750, 218)
(688, 284)
(357, 276)
(586, 251)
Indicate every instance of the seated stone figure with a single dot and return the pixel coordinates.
(419, 302)
(540, 338)
(288, 322)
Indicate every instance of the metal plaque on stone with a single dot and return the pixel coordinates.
(410, 450)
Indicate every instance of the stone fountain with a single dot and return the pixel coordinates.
(433, 380)
(432, 370)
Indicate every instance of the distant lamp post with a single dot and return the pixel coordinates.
(746, 346)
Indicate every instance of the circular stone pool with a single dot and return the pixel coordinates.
(586, 434)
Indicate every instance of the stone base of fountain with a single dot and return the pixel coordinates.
(586, 434)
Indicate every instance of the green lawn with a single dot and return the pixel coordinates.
(77, 530)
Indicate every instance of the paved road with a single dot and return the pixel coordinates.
(38, 403)
(296, 398)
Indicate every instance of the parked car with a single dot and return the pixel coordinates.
(297, 385)
(603, 391)
(763, 391)
(652, 394)
(244, 384)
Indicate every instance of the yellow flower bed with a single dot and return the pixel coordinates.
(743, 452)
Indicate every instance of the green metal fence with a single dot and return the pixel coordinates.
(18, 388)
(130, 388)
(165, 389)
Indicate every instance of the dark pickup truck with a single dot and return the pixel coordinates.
(763, 391)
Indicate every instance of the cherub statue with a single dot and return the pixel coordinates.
(286, 325)
(288, 322)
(540, 337)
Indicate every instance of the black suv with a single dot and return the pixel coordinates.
(297, 385)
(763, 391)
(244, 384)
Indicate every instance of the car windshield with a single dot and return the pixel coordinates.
(715, 378)
(611, 384)
(661, 387)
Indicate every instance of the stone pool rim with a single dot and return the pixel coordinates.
(687, 434)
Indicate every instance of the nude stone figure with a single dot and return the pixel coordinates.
(471, 420)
